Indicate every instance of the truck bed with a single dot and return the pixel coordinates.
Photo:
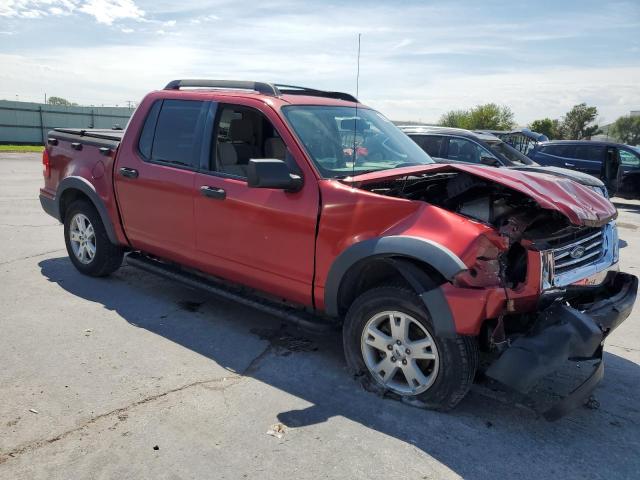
(98, 137)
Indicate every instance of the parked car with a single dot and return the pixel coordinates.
(309, 205)
(523, 140)
(456, 145)
(618, 165)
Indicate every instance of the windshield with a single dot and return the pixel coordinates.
(506, 150)
(342, 143)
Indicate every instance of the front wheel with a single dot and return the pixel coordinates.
(390, 345)
(88, 245)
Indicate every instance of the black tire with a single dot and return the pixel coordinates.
(108, 257)
(458, 357)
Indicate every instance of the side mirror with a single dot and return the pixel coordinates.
(272, 173)
(490, 161)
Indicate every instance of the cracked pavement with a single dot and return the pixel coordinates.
(138, 377)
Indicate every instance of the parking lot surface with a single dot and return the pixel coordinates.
(134, 376)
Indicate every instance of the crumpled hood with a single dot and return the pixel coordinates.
(581, 205)
(580, 177)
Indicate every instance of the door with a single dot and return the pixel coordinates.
(629, 173)
(589, 159)
(262, 238)
(155, 183)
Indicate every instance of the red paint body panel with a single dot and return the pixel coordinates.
(67, 162)
(285, 243)
(581, 205)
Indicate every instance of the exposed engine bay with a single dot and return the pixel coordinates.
(520, 222)
(476, 198)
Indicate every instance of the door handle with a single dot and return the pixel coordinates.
(569, 164)
(212, 192)
(129, 172)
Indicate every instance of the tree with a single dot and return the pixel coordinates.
(481, 117)
(627, 129)
(492, 117)
(578, 122)
(60, 101)
(551, 128)
(455, 119)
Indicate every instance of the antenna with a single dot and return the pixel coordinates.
(355, 120)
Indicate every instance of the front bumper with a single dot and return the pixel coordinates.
(572, 330)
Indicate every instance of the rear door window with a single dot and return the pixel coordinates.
(145, 143)
(432, 144)
(178, 133)
(565, 151)
(589, 152)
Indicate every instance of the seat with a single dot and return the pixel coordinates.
(243, 138)
(229, 160)
(274, 147)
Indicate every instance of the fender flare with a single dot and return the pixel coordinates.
(83, 185)
(407, 248)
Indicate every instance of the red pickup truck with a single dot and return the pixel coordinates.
(310, 205)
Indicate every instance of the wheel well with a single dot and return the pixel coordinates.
(373, 272)
(69, 196)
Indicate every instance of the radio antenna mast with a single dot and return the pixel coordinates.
(354, 155)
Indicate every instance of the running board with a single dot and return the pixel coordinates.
(303, 319)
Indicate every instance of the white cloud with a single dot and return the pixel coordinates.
(108, 11)
(104, 11)
(204, 19)
(417, 61)
(35, 8)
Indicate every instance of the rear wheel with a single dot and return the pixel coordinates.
(88, 245)
(390, 345)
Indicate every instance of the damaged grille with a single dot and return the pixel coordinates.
(584, 250)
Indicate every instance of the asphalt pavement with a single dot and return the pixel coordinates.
(134, 376)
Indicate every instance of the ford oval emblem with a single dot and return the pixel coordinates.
(577, 252)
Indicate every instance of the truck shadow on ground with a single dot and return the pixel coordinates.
(482, 438)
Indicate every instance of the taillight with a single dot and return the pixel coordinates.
(46, 164)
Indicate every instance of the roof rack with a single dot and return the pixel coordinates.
(312, 92)
(273, 90)
(260, 87)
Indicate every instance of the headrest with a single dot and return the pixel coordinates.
(241, 130)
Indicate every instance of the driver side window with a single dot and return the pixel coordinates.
(628, 159)
(243, 133)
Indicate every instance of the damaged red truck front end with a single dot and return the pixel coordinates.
(540, 285)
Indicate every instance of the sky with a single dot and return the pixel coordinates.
(418, 59)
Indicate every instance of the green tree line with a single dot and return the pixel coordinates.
(578, 123)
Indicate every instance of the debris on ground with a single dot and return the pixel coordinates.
(284, 343)
(277, 430)
(87, 332)
(33, 410)
(156, 447)
(592, 403)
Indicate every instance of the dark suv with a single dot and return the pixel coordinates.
(618, 165)
(456, 145)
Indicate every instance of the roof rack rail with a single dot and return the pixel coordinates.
(260, 87)
(312, 92)
(273, 90)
